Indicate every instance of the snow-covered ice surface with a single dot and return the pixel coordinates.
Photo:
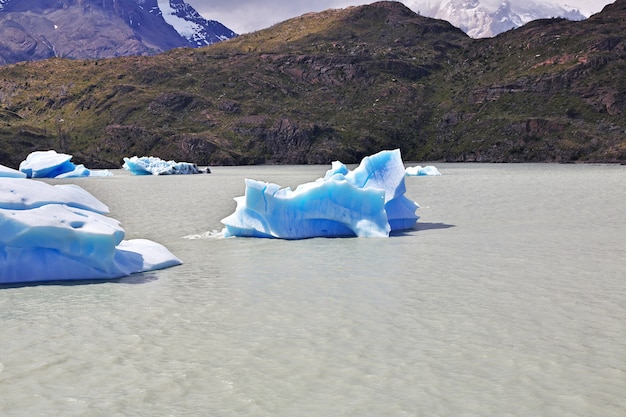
(50, 164)
(60, 232)
(10, 172)
(16, 194)
(420, 171)
(366, 202)
(151, 165)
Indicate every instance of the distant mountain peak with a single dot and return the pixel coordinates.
(40, 29)
(480, 20)
(191, 25)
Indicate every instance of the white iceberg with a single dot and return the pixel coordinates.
(151, 165)
(60, 232)
(419, 171)
(50, 164)
(10, 172)
(366, 202)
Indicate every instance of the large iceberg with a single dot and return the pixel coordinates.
(366, 202)
(60, 232)
(50, 164)
(151, 165)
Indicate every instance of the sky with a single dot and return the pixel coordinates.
(244, 16)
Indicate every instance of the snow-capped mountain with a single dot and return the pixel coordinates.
(190, 24)
(39, 29)
(487, 19)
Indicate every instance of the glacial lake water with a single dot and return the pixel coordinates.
(508, 299)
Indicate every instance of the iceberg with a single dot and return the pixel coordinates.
(10, 172)
(151, 165)
(366, 202)
(60, 232)
(50, 164)
(419, 171)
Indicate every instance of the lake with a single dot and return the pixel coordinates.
(508, 299)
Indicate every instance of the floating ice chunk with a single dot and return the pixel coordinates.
(60, 232)
(366, 202)
(330, 208)
(7, 172)
(50, 164)
(46, 164)
(18, 194)
(418, 170)
(384, 170)
(140, 255)
(151, 165)
(67, 231)
(81, 171)
(78, 171)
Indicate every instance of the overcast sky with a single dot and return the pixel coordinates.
(243, 16)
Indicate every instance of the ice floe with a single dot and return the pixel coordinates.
(10, 172)
(366, 202)
(151, 165)
(419, 171)
(60, 232)
(50, 164)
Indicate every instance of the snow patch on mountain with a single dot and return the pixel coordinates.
(183, 26)
(190, 24)
(488, 18)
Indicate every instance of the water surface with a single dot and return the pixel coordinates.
(509, 299)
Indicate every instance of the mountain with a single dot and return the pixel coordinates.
(40, 29)
(336, 85)
(482, 21)
(190, 24)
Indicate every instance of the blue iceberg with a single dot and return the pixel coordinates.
(10, 172)
(60, 232)
(50, 164)
(151, 165)
(366, 202)
(419, 171)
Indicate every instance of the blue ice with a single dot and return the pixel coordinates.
(61, 232)
(366, 202)
(50, 164)
(10, 172)
(151, 165)
(420, 171)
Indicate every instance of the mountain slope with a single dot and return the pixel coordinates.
(339, 84)
(41, 29)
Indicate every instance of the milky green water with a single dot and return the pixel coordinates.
(509, 299)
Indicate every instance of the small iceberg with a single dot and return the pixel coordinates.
(50, 164)
(419, 171)
(366, 202)
(60, 232)
(151, 165)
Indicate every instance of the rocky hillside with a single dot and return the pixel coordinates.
(339, 84)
